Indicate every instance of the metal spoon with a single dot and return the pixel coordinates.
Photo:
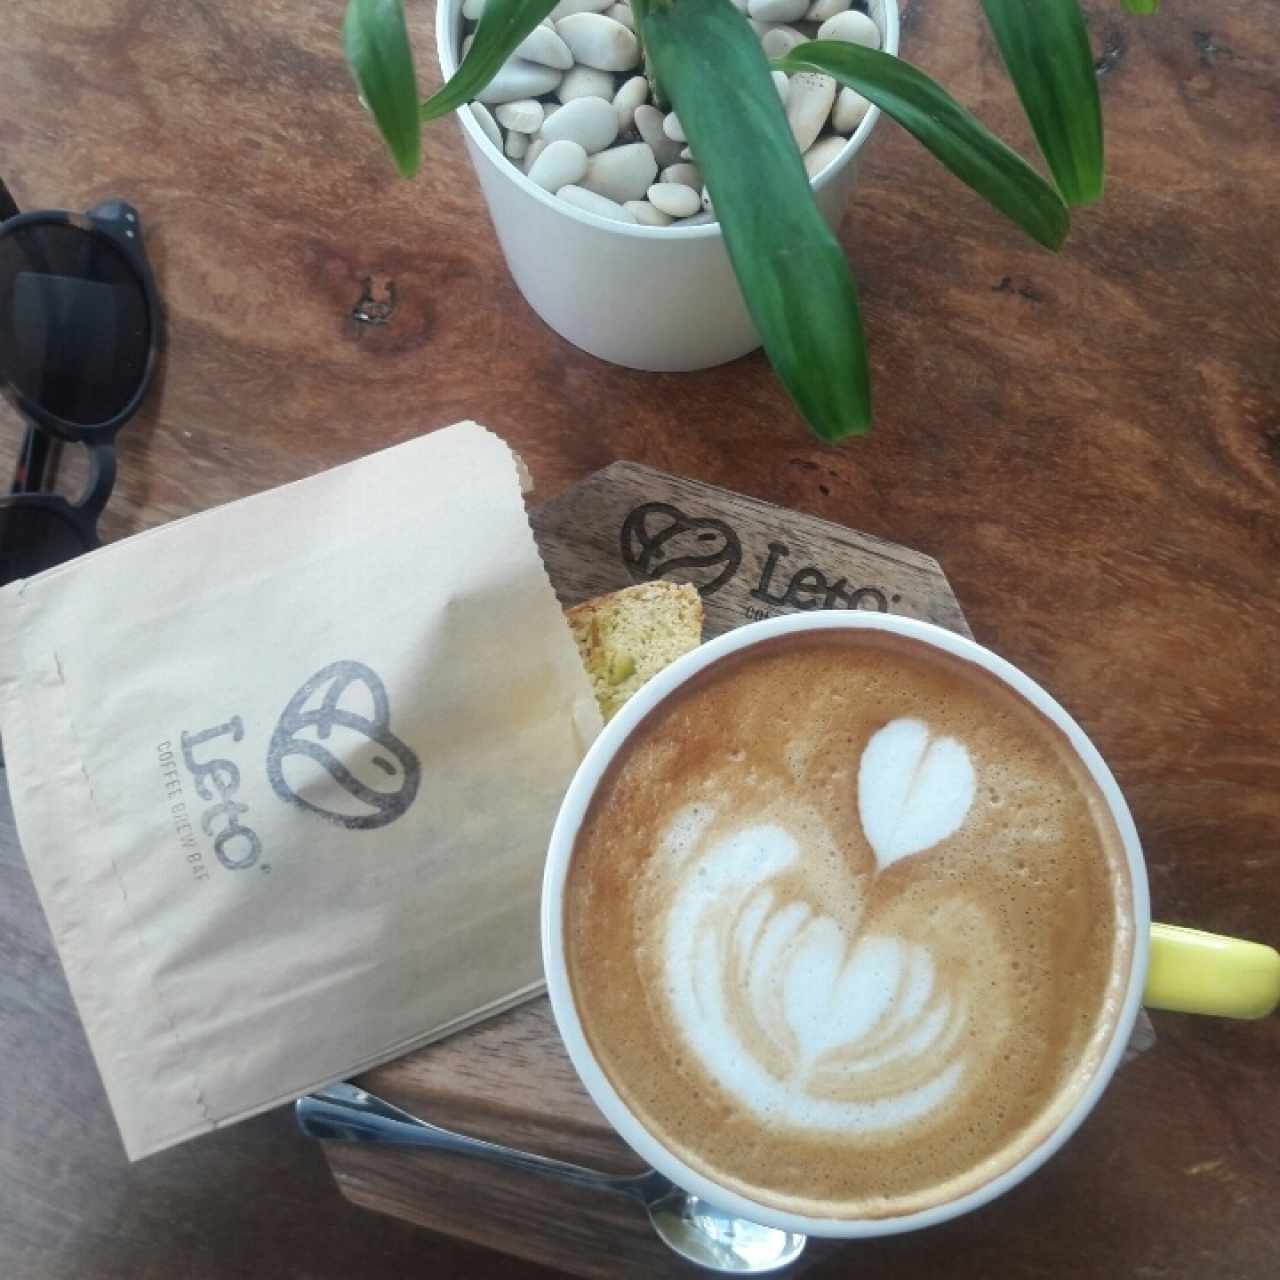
(686, 1224)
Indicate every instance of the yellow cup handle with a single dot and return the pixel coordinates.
(1194, 972)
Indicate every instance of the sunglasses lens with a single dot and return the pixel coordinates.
(33, 538)
(75, 328)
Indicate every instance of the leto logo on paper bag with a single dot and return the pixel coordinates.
(332, 753)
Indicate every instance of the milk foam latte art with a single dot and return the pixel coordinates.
(843, 924)
(796, 1020)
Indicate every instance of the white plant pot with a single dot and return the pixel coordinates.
(660, 298)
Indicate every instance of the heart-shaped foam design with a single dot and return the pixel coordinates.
(914, 789)
(772, 994)
(792, 1009)
(834, 999)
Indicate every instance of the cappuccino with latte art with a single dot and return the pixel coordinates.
(848, 924)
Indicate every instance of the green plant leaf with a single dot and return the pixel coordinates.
(959, 140)
(1046, 50)
(378, 53)
(1142, 6)
(792, 271)
(503, 25)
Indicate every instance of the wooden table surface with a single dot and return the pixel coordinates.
(1090, 444)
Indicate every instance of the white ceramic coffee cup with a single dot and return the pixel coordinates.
(574, 807)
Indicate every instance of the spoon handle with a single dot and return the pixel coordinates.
(344, 1113)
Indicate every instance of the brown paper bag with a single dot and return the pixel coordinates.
(284, 774)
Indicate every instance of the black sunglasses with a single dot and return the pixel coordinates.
(79, 332)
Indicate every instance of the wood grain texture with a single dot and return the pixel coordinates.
(510, 1081)
(749, 559)
(1090, 444)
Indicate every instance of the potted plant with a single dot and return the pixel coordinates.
(704, 62)
(662, 298)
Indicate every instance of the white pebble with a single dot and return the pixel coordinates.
(549, 109)
(566, 7)
(782, 84)
(703, 219)
(597, 41)
(706, 201)
(520, 79)
(646, 215)
(590, 122)
(536, 148)
(632, 95)
(585, 82)
(850, 107)
(524, 115)
(687, 154)
(648, 121)
(546, 48)
(809, 102)
(592, 202)
(622, 173)
(467, 42)
(484, 118)
(821, 10)
(688, 175)
(472, 10)
(853, 28)
(781, 40)
(674, 199)
(622, 13)
(559, 164)
(517, 145)
(822, 153)
(671, 127)
(777, 10)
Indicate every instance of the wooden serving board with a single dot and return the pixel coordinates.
(509, 1080)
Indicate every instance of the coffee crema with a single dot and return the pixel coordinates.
(848, 925)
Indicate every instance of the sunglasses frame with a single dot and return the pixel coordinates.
(118, 224)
